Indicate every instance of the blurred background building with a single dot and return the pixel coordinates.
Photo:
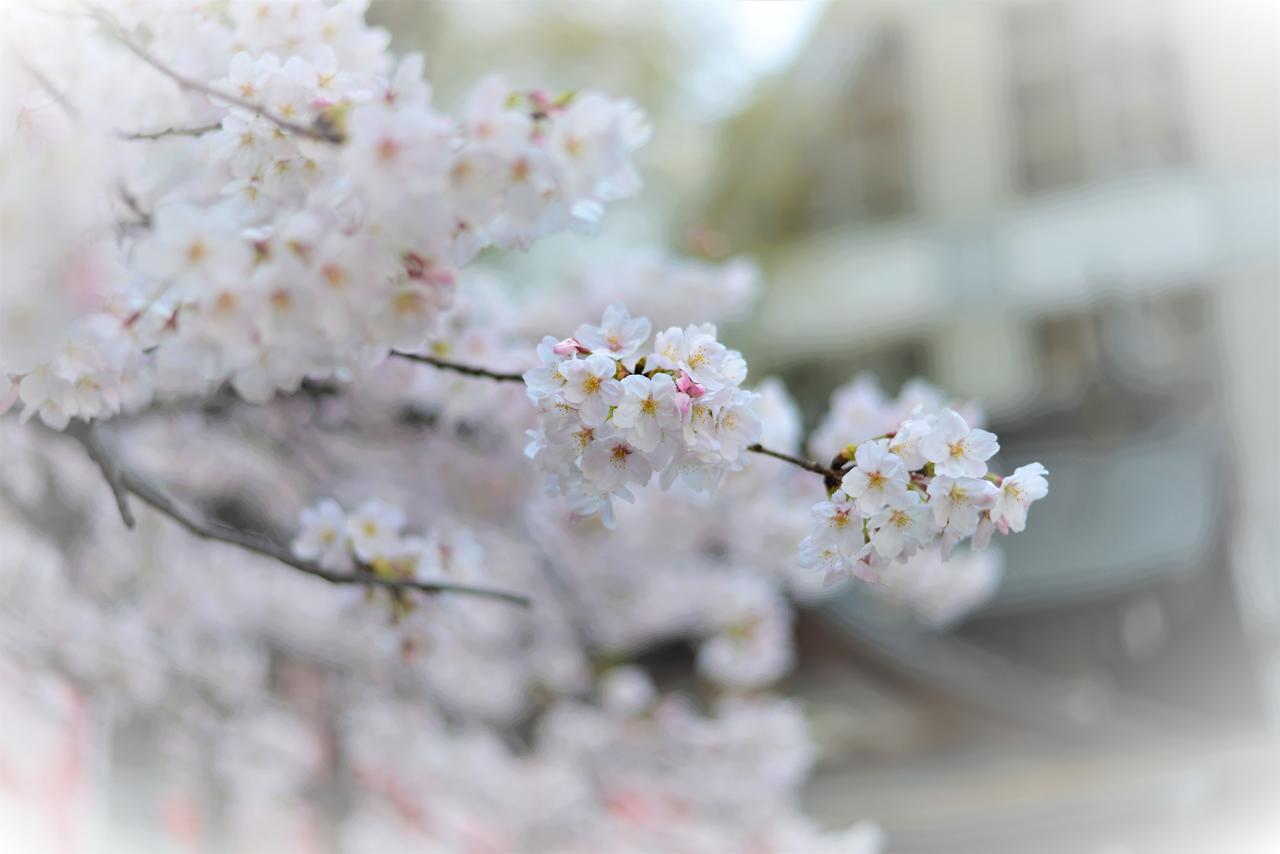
(1093, 186)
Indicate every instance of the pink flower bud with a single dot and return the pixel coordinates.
(683, 402)
(541, 100)
(439, 276)
(568, 347)
(685, 384)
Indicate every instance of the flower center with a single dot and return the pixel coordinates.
(387, 150)
(334, 275)
(649, 406)
(408, 302)
(591, 384)
(225, 303)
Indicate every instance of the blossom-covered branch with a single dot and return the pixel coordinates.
(476, 371)
(268, 260)
(319, 131)
(614, 413)
(124, 481)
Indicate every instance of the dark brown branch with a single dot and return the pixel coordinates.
(123, 480)
(469, 370)
(807, 465)
(317, 132)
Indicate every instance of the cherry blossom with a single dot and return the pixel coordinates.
(1018, 491)
(955, 449)
(877, 478)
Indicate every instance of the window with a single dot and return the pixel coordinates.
(1095, 90)
(864, 170)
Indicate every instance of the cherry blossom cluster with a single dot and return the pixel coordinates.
(226, 658)
(614, 413)
(373, 537)
(924, 484)
(289, 203)
(273, 198)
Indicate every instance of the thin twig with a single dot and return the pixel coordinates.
(469, 370)
(45, 83)
(131, 202)
(316, 132)
(161, 134)
(123, 480)
(807, 465)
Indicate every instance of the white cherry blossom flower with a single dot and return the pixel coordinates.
(648, 410)
(374, 529)
(322, 535)
(901, 527)
(956, 502)
(611, 463)
(825, 554)
(878, 477)
(905, 443)
(1017, 492)
(955, 449)
(591, 387)
(737, 427)
(190, 246)
(546, 379)
(838, 522)
(619, 334)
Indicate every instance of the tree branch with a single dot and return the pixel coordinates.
(45, 83)
(469, 370)
(161, 134)
(318, 131)
(807, 465)
(472, 371)
(88, 435)
(125, 481)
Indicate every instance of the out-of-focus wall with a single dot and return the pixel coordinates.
(1067, 209)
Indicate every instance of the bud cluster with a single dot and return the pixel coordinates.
(613, 412)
